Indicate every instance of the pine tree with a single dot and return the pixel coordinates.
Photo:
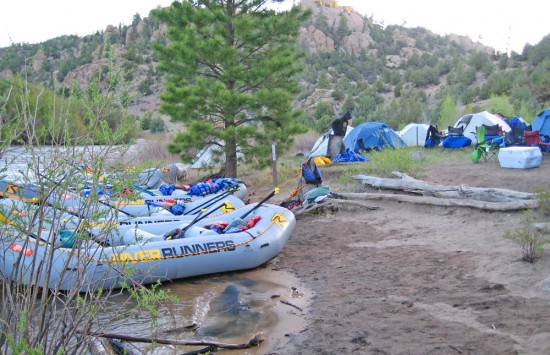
(231, 68)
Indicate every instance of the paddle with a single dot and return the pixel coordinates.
(198, 218)
(209, 203)
(182, 232)
(273, 193)
(238, 222)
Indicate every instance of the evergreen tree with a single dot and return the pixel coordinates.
(230, 67)
(321, 23)
(341, 31)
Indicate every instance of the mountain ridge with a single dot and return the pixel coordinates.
(350, 60)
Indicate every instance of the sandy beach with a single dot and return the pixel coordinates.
(418, 279)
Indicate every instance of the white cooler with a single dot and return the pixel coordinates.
(519, 157)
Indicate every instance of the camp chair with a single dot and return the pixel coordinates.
(516, 137)
(455, 138)
(532, 138)
(455, 131)
(493, 134)
(494, 131)
(486, 147)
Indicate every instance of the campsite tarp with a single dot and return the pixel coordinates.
(414, 134)
(211, 156)
(320, 148)
(208, 157)
(473, 120)
(541, 123)
(372, 135)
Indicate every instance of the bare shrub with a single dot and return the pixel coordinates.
(304, 142)
(47, 305)
(529, 238)
(145, 151)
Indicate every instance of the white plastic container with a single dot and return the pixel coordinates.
(519, 157)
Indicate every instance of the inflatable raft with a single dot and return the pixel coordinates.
(145, 205)
(252, 235)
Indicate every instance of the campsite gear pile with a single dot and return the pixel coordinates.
(362, 138)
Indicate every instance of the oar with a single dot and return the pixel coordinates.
(115, 208)
(237, 222)
(209, 203)
(198, 218)
(273, 193)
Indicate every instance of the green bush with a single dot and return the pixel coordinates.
(529, 238)
(157, 125)
(383, 162)
(543, 196)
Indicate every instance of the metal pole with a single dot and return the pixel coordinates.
(274, 157)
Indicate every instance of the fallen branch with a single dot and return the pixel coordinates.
(427, 200)
(207, 350)
(348, 202)
(254, 341)
(290, 304)
(187, 328)
(97, 347)
(120, 348)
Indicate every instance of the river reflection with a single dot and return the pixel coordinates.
(225, 308)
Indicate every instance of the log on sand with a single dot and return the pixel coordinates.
(491, 199)
(408, 184)
(446, 202)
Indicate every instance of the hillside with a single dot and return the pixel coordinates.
(393, 74)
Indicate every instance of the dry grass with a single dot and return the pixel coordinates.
(304, 142)
(151, 151)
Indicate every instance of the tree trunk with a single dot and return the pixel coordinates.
(231, 158)
(230, 144)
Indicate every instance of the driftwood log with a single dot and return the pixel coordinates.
(422, 192)
(446, 202)
(411, 185)
(254, 341)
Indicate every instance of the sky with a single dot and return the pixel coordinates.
(505, 26)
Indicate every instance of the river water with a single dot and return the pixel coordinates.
(226, 308)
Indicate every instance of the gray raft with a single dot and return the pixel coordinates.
(136, 256)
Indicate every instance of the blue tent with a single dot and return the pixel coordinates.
(541, 123)
(372, 135)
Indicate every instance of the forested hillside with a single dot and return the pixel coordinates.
(392, 74)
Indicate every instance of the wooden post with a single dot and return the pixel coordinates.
(274, 157)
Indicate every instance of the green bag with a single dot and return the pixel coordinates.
(476, 155)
